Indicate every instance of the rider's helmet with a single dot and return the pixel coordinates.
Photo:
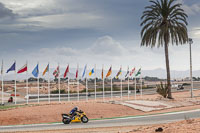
(76, 108)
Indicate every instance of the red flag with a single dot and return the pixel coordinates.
(66, 71)
(23, 69)
(56, 72)
(77, 73)
(133, 70)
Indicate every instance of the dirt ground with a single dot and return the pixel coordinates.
(45, 113)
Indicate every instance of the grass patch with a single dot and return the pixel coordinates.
(5, 107)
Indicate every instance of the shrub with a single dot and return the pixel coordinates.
(162, 90)
(62, 91)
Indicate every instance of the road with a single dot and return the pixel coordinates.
(126, 121)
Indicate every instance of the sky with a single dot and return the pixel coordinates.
(88, 32)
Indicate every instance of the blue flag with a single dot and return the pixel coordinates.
(12, 68)
(35, 71)
(84, 71)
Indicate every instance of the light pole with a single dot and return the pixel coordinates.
(191, 78)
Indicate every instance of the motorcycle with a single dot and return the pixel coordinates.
(79, 117)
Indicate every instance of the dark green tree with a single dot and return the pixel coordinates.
(164, 22)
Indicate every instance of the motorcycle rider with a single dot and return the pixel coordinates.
(73, 112)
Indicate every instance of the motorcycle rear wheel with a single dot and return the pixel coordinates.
(66, 121)
(84, 119)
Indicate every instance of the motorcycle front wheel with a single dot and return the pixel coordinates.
(66, 121)
(84, 119)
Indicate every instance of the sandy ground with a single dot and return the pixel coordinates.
(45, 113)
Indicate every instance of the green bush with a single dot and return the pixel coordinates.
(162, 90)
(62, 91)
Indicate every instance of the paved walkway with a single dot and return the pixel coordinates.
(147, 106)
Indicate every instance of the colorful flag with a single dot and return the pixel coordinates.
(46, 70)
(91, 72)
(127, 72)
(66, 71)
(35, 71)
(132, 71)
(138, 73)
(102, 74)
(84, 71)
(2, 68)
(23, 69)
(77, 73)
(12, 68)
(56, 72)
(109, 72)
(119, 73)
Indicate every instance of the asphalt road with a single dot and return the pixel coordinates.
(126, 121)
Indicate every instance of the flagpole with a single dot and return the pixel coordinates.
(77, 82)
(27, 83)
(103, 82)
(141, 84)
(2, 85)
(95, 82)
(68, 87)
(48, 85)
(128, 83)
(135, 87)
(38, 85)
(59, 81)
(121, 81)
(111, 84)
(86, 85)
(15, 85)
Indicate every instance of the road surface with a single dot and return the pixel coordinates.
(125, 121)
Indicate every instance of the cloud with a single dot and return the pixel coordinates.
(5, 12)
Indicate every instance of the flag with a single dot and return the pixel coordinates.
(23, 69)
(2, 68)
(35, 71)
(84, 71)
(109, 72)
(12, 68)
(66, 71)
(132, 71)
(127, 72)
(46, 70)
(91, 72)
(119, 73)
(77, 73)
(138, 73)
(56, 72)
(102, 74)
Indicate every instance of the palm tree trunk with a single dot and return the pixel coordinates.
(168, 71)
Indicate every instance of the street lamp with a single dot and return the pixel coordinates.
(191, 78)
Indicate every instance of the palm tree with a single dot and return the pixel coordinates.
(164, 22)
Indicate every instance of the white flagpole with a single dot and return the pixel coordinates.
(15, 85)
(68, 87)
(2, 85)
(95, 82)
(121, 81)
(141, 84)
(77, 81)
(128, 83)
(135, 87)
(103, 82)
(48, 84)
(59, 81)
(27, 83)
(111, 84)
(38, 85)
(86, 84)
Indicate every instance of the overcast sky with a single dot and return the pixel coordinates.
(87, 31)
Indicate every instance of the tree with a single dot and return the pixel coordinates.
(164, 22)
